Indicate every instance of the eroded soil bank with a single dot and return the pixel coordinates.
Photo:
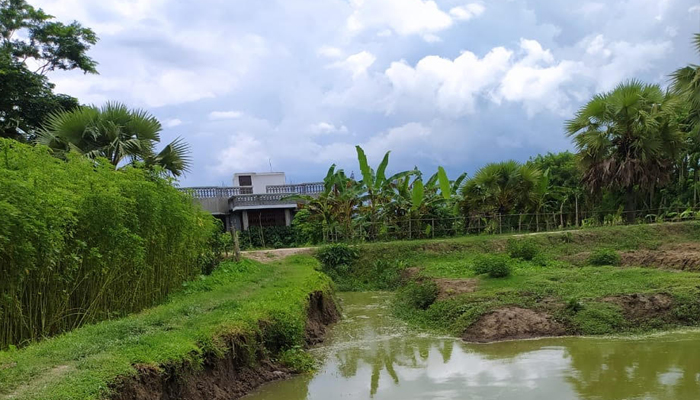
(247, 363)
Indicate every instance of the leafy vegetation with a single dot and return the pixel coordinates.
(30, 35)
(81, 242)
(495, 266)
(257, 307)
(417, 294)
(604, 257)
(524, 249)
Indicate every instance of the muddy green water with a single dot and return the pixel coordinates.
(371, 355)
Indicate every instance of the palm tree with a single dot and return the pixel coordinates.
(686, 83)
(501, 187)
(626, 139)
(116, 133)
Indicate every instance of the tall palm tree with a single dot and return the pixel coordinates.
(115, 132)
(627, 139)
(501, 187)
(686, 83)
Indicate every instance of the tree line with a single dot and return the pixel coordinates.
(637, 159)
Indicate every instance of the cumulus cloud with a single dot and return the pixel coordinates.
(529, 74)
(243, 153)
(467, 11)
(218, 115)
(405, 17)
(357, 64)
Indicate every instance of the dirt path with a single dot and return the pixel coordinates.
(266, 256)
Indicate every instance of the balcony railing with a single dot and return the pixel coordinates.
(210, 192)
(302, 188)
(267, 199)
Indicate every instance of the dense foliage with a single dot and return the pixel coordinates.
(81, 242)
(26, 95)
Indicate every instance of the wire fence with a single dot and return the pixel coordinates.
(426, 228)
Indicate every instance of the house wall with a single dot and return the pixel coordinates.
(262, 180)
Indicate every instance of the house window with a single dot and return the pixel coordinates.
(245, 180)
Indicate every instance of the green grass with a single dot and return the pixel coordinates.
(558, 274)
(83, 363)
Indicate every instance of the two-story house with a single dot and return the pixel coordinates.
(255, 199)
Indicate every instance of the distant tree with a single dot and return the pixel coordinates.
(501, 187)
(116, 133)
(30, 37)
(627, 139)
(686, 83)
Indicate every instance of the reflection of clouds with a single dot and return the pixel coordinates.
(370, 355)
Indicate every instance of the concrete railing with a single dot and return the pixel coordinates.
(268, 199)
(302, 188)
(209, 192)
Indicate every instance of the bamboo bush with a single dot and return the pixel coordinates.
(81, 242)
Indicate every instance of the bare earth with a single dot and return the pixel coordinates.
(268, 256)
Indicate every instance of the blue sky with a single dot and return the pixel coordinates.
(297, 84)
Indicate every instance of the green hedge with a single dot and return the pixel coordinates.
(81, 242)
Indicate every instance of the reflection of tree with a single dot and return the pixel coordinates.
(386, 345)
(621, 369)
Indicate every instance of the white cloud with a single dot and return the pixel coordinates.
(324, 128)
(356, 63)
(330, 52)
(467, 11)
(450, 85)
(530, 75)
(610, 62)
(404, 17)
(536, 80)
(243, 153)
(218, 115)
(171, 123)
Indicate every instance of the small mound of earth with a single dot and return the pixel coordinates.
(685, 259)
(454, 287)
(512, 323)
(268, 256)
(642, 306)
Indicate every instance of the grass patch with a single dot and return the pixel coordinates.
(551, 282)
(232, 301)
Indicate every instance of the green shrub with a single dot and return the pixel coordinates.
(495, 266)
(604, 257)
(541, 260)
(298, 360)
(599, 319)
(417, 294)
(336, 255)
(81, 242)
(524, 249)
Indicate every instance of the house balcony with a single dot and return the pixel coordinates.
(222, 200)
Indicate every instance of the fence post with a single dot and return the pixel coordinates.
(236, 245)
(433, 229)
(409, 228)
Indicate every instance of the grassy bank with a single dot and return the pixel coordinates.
(554, 291)
(266, 305)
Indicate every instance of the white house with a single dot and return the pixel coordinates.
(256, 199)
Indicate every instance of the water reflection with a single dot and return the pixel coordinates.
(370, 355)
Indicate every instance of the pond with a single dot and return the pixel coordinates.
(369, 354)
